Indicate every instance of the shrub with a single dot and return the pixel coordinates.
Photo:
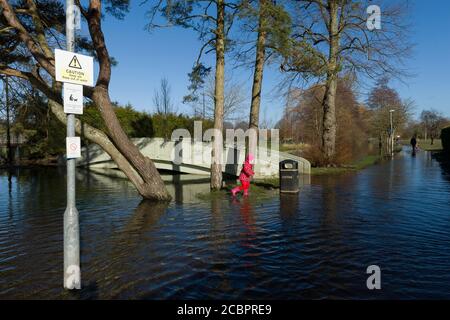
(445, 137)
(138, 124)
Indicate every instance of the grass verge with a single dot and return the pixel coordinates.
(258, 191)
(267, 187)
(426, 144)
(357, 166)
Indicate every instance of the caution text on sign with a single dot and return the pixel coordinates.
(74, 68)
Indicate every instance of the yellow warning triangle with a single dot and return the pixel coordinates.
(74, 63)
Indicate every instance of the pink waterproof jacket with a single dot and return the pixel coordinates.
(247, 170)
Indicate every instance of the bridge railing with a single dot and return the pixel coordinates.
(195, 157)
(15, 139)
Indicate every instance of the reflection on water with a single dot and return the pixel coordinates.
(445, 166)
(317, 244)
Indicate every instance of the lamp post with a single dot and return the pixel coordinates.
(391, 133)
(72, 277)
(8, 123)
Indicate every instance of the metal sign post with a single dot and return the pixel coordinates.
(72, 273)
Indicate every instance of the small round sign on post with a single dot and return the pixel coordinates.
(73, 147)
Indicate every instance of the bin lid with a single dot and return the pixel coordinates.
(288, 164)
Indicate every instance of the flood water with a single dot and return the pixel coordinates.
(315, 245)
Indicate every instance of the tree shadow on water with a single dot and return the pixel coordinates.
(445, 166)
(145, 216)
(125, 253)
(444, 162)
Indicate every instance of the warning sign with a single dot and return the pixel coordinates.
(73, 147)
(74, 63)
(73, 98)
(74, 68)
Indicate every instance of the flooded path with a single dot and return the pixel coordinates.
(315, 245)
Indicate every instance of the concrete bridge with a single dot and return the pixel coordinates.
(16, 141)
(195, 158)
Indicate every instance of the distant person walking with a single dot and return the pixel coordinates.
(414, 144)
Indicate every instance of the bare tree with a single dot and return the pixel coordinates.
(432, 122)
(267, 122)
(162, 98)
(234, 99)
(163, 103)
(385, 103)
(335, 36)
(305, 117)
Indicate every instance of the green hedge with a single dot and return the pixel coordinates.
(445, 137)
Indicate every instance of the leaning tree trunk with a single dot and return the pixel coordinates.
(216, 163)
(329, 102)
(152, 181)
(100, 138)
(153, 186)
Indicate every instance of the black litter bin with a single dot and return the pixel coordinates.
(289, 180)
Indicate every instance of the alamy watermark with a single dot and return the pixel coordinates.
(73, 17)
(73, 279)
(374, 19)
(374, 280)
(211, 147)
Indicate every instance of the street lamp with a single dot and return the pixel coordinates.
(391, 133)
(8, 123)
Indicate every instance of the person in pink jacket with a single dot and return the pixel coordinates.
(245, 176)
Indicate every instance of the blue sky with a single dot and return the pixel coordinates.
(144, 58)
